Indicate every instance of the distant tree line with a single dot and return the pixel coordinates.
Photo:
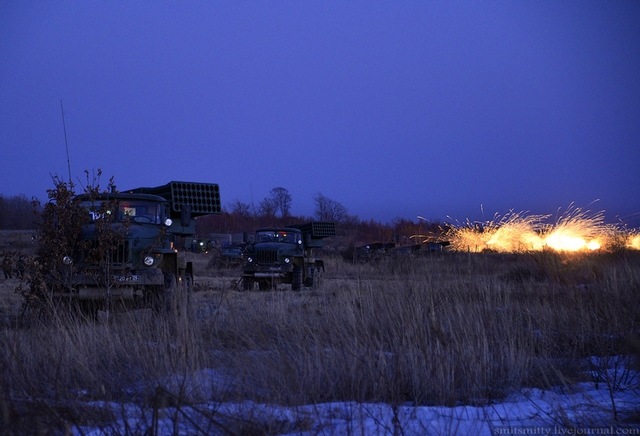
(17, 213)
(275, 210)
(20, 213)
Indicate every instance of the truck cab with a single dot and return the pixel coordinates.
(285, 255)
(276, 256)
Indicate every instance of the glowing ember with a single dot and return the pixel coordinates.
(562, 241)
(572, 232)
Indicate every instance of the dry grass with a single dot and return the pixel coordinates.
(447, 329)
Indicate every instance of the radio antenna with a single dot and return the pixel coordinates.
(64, 127)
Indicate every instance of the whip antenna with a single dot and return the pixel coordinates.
(64, 127)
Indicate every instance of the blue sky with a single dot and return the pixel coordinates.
(451, 110)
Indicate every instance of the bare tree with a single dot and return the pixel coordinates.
(268, 208)
(240, 209)
(281, 200)
(328, 209)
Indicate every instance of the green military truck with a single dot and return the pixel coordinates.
(286, 255)
(142, 264)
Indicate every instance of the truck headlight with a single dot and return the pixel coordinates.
(148, 260)
(168, 222)
(67, 260)
(249, 259)
(287, 260)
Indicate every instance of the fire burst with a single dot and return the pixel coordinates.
(574, 231)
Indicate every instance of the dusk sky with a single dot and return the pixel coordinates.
(449, 110)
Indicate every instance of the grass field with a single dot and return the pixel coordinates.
(442, 329)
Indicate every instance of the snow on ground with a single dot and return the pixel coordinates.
(585, 408)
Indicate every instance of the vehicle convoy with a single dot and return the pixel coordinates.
(142, 264)
(286, 255)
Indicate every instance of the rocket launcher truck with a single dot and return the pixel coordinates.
(138, 262)
(286, 255)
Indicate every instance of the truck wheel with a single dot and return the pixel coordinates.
(247, 283)
(188, 288)
(182, 295)
(296, 281)
(165, 301)
(316, 277)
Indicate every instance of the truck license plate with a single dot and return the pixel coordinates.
(123, 279)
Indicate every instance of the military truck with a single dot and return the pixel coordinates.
(373, 252)
(142, 263)
(197, 245)
(286, 255)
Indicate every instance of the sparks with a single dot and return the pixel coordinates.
(573, 231)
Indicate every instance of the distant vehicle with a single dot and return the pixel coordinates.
(377, 251)
(197, 245)
(372, 252)
(419, 249)
(286, 255)
(231, 255)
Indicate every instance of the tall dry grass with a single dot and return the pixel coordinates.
(444, 329)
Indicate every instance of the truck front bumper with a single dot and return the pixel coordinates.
(126, 286)
(264, 271)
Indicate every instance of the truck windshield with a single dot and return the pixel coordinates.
(139, 212)
(136, 211)
(277, 236)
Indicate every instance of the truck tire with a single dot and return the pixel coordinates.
(296, 280)
(165, 301)
(247, 283)
(316, 277)
(182, 295)
(188, 287)
(265, 285)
